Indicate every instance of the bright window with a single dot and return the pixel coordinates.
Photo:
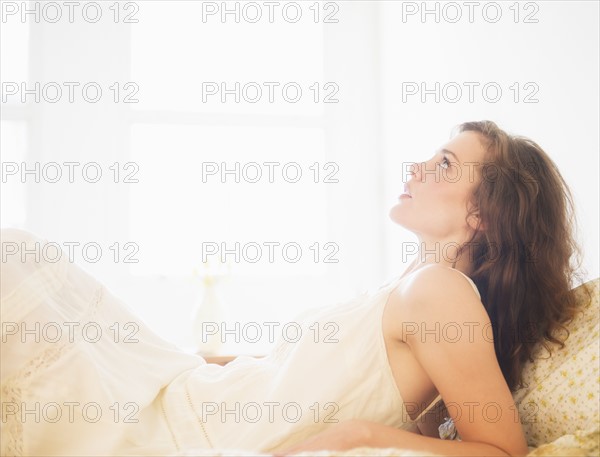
(13, 144)
(172, 203)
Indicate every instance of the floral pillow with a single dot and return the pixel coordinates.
(561, 393)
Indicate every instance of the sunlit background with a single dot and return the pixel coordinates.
(350, 133)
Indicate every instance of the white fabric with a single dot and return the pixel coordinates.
(339, 373)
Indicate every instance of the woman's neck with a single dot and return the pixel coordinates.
(461, 264)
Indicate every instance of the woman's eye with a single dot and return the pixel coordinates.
(445, 163)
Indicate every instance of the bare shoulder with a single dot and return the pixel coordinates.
(436, 280)
(435, 294)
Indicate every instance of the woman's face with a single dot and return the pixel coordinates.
(440, 189)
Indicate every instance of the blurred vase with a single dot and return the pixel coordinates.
(208, 318)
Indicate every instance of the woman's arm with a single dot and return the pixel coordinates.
(354, 433)
(220, 359)
(383, 436)
(225, 359)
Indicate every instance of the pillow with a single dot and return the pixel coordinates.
(582, 443)
(561, 393)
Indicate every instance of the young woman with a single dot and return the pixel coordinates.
(492, 216)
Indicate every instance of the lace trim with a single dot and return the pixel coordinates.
(12, 430)
(189, 399)
(12, 388)
(164, 413)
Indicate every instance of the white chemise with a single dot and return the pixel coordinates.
(94, 393)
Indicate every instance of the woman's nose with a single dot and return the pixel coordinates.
(414, 169)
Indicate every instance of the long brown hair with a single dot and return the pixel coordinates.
(525, 258)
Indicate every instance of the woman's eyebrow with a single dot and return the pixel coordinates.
(446, 151)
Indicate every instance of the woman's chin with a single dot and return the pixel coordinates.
(397, 216)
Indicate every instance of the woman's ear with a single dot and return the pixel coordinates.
(475, 222)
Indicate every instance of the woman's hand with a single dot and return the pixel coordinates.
(339, 437)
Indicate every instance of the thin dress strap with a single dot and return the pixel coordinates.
(429, 407)
(470, 281)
